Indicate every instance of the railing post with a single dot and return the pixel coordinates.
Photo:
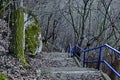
(84, 59)
(74, 51)
(99, 58)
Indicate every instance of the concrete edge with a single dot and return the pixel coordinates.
(106, 77)
(77, 61)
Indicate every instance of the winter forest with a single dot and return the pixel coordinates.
(87, 23)
(31, 29)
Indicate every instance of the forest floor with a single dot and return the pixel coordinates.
(11, 67)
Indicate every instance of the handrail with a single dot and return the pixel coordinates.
(113, 49)
(111, 68)
(94, 48)
(99, 61)
(81, 49)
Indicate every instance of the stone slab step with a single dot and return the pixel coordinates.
(69, 69)
(67, 73)
(61, 59)
(65, 70)
(54, 55)
(59, 62)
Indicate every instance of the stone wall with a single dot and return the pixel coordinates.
(4, 37)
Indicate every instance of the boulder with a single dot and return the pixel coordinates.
(33, 40)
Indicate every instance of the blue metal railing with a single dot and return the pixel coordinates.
(99, 61)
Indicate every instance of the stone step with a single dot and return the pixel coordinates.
(54, 55)
(54, 69)
(60, 62)
(59, 66)
(64, 70)
(70, 73)
(61, 59)
(54, 60)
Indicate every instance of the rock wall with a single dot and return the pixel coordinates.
(4, 37)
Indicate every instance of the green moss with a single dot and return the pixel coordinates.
(19, 47)
(16, 27)
(17, 41)
(3, 77)
(31, 37)
(24, 40)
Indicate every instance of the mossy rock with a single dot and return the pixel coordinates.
(32, 35)
(3, 77)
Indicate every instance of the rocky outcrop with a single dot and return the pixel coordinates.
(4, 37)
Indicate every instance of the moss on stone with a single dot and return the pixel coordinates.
(3, 77)
(32, 36)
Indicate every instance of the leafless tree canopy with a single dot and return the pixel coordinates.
(87, 23)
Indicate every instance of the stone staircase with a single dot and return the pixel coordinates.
(60, 66)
